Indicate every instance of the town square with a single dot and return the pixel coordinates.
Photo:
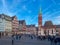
(30, 22)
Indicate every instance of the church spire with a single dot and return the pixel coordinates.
(40, 12)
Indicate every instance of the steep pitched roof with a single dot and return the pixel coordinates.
(13, 17)
(49, 24)
(21, 21)
(30, 26)
(5, 17)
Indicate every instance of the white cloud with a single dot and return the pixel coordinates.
(47, 8)
(15, 3)
(46, 14)
(18, 11)
(33, 19)
(56, 20)
(52, 15)
(37, 24)
(9, 14)
(58, 17)
(5, 9)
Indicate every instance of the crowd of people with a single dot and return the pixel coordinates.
(53, 39)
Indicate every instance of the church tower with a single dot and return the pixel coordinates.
(39, 22)
(40, 18)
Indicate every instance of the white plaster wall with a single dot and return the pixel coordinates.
(2, 25)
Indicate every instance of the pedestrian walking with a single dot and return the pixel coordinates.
(19, 37)
(31, 37)
(12, 42)
(12, 39)
(52, 39)
(0, 35)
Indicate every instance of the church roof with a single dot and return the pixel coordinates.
(49, 24)
(40, 11)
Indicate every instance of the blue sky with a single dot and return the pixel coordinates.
(28, 10)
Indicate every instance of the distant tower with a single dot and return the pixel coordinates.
(39, 22)
(40, 18)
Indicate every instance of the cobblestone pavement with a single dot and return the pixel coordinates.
(23, 41)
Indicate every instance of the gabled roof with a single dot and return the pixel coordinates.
(13, 17)
(5, 17)
(21, 21)
(30, 26)
(48, 23)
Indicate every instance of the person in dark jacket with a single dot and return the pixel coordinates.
(12, 39)
(57, 40)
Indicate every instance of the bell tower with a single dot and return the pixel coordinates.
(40, 19)
(39, 22)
